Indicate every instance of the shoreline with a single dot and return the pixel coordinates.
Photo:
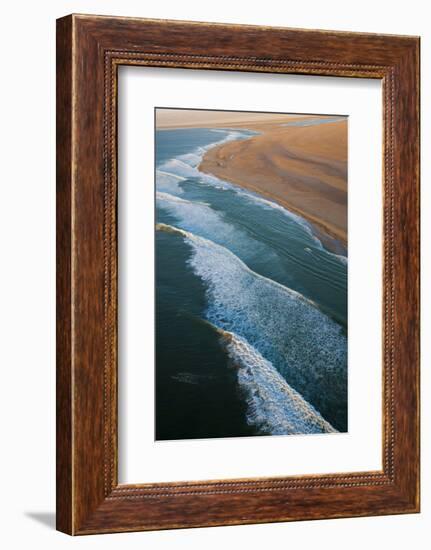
(183, 119)
(301, 167)
(219, 161)
(329, 240)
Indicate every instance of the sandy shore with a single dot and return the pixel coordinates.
(303, 168)
(168, 119)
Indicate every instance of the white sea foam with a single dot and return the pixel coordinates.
(192, 159)
(186, 166)
(169, 182)
(162, 196)
(178, 167)
(306, 347)
(201, 219)
(339, 257)
(291, 215)
(201, 244)
(181, 165)
(273, 406)
(271, 325)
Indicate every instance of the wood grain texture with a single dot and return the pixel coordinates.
(90, 49)
(64, 495)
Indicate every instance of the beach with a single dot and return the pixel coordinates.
(169, 119)
(251, 302)
(296, 160)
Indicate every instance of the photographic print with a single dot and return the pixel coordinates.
(207, 371)
(251, 274)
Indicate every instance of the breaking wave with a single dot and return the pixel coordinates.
(168, 182)
(173, 172)
(273, 407)
(199, 216)
(201, 219)
(304, 345)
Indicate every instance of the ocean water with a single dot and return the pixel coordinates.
(251, 309)
(314, 121)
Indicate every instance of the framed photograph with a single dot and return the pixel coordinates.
(237, 274)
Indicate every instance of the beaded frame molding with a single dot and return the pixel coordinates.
(89, 51)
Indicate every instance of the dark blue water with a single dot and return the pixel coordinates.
(251, 309)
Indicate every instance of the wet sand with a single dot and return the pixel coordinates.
(299, 161)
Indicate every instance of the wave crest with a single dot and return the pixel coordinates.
(273, 406)
(303, 344)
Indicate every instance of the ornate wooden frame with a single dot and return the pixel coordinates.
(89, 51)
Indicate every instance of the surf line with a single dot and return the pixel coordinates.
(196, 239)
(311, 228)
(273, 406)
(187, 165)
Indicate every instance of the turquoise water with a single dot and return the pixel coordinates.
(251, 309)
